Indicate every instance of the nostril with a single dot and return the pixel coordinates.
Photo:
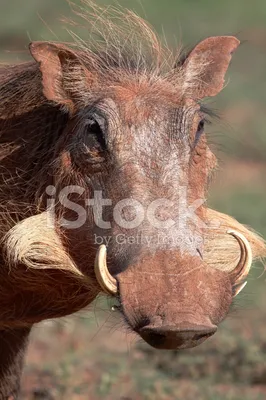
(200, 336)
(203, 334)
(153, 337)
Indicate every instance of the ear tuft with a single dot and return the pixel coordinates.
(48, 56)
(57, 63)
(205, 67)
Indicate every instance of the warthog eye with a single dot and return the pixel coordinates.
(89, 144)
(197, 135)
(199, 132)
(95, 133)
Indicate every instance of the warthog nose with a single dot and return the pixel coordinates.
(176, 337)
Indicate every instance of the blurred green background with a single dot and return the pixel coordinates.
(91, 355)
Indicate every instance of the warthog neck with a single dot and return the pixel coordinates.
(13, 344)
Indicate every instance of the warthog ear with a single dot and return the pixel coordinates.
(63, 74)
(205, 66)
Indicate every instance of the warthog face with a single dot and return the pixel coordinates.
(128, 171)
(138, 141)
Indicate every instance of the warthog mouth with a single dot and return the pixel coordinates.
(109, 284)
(160, 320)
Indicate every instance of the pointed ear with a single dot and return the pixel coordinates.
(205, 67)
(63, 74)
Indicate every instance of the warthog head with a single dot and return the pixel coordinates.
(111, 154)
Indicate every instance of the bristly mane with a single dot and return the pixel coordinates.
(119, 45)
(119, 39)
(20, 89)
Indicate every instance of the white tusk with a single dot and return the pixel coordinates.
(105, 279)
(238, 288)
(242, 269)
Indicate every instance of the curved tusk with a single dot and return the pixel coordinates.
(105, 279)
(242, 269)
(238, 288)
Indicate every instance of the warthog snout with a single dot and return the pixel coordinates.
(183, 336)
(173, 300)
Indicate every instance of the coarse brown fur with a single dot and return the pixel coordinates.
(129, 79)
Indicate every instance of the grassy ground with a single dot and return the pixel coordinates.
(90, 356)
(79, 365)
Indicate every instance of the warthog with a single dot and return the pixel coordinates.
(103, 146)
